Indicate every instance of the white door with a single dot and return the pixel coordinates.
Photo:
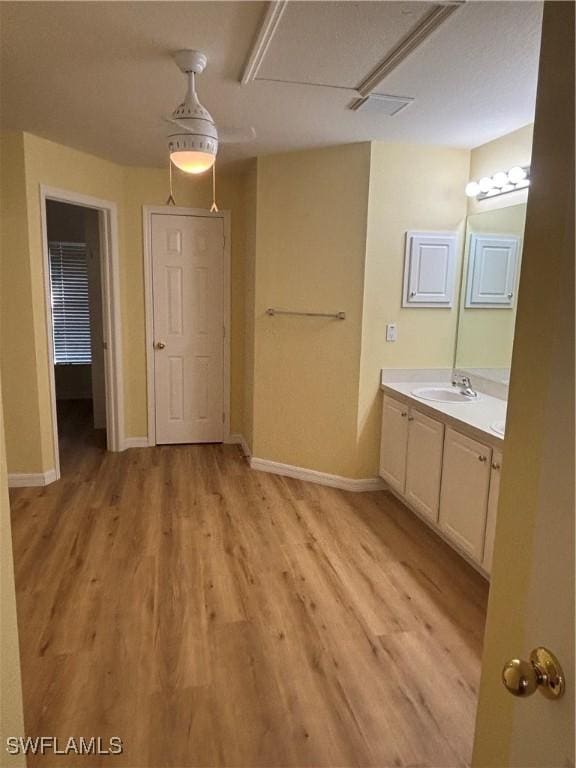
(188, 288)
(464, 494)
(492, 510)
(492, 267)
(393, 443)
(424, 463)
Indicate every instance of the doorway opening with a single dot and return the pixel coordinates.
(82, 304)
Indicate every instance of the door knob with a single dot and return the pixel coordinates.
(159, 345)
(542, 672)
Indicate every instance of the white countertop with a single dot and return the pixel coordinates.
(477, 415)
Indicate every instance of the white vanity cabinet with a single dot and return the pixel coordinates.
(492, 509)
(424, 463)
(464, 494)
(449, 479)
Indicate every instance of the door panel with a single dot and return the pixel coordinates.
(492, 271)
(393, 443)
(188, 287)
(464, 494)
(424, 463)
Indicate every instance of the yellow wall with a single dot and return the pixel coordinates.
(485, 336)
(310, 245)
(251, 191)
(537, 488)
(411, 187)
(11, 715)
(27, 162)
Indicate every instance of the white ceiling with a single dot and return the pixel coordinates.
(98, 75)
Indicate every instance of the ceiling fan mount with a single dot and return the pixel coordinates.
(190, 61)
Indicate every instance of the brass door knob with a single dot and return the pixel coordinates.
(542, 672)
(159, 345)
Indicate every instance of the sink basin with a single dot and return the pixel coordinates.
(498, 427)
(443, 395)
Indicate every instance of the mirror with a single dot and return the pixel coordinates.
(489, 290)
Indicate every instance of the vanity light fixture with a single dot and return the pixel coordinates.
(500, 183)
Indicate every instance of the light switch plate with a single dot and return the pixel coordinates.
(391, 332)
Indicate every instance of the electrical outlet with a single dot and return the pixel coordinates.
(391, 332)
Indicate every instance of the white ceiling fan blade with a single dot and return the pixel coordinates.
(241, 136)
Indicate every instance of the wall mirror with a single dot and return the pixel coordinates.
(489, 291)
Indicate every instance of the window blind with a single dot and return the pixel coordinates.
(70, 302)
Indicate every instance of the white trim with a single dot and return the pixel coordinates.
(236, 438)
(109, 262)
(26, 480)
(135, 442)
(267, 31)
(321, 478)
(147, 212)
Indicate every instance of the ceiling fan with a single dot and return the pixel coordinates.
(194, 146)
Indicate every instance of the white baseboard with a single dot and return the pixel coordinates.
(235, 438)
(31, 480)
(321, 478)
(135, 442)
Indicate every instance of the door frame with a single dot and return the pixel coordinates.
(167, 210)
(109, 266)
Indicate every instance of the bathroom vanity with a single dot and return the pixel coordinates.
(443, 458)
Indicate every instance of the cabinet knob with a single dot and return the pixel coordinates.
(495, 465)
(481, 458)
(404, 414)
(510, 295)
(410, 418)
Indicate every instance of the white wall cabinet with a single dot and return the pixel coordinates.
(446, 477)
(492, 510)
(464, 495)
(429, 269)
(393, 443)
(492, 271)
(424, 463)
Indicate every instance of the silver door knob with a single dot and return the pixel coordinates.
(159, 345)
(543, 672)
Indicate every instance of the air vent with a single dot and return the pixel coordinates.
(380, 104)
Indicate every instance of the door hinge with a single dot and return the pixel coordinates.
(223, 417)
(223, 331)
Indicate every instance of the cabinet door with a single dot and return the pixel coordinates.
(429, 269)
(492, 266)
(492, 509)
(464, 493)
(393, 443)
(424, 463)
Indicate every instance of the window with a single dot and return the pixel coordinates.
(70, 302)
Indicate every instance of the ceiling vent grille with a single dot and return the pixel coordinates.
(380, 104)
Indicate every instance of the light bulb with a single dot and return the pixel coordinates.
(472, 189)
(193, 161)
(485, 184)
(500, 179)
(516, 174)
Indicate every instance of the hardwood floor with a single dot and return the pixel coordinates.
(211, 615)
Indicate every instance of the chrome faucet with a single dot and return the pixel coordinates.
(465, 385)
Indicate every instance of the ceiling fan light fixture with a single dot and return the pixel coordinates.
(192, 161)
(193, 148)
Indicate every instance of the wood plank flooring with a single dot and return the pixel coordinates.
(211, 615)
